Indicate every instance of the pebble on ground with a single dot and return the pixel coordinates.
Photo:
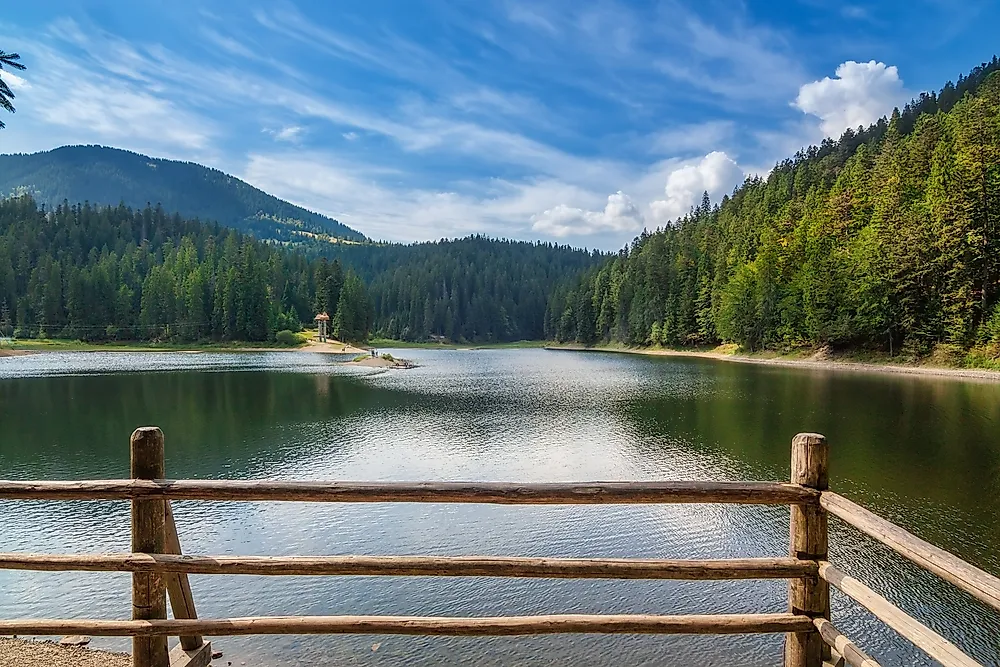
(23, 653)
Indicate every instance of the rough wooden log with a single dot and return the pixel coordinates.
(149, 594)
(504, 493)
(406, 625)
(178, 587)
(808, 541)
(198, 657)
(836, 660)
(844, 647)
(974, 581)
(910, 628)
(416, 566)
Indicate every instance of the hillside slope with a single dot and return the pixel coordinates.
(110, 176)
(888, 239)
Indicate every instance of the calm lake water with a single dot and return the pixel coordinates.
(922, 451)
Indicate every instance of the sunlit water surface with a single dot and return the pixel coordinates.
(921, 451)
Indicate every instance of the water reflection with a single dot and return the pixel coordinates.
(921, 450)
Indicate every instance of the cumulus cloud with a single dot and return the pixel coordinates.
(860, 94)
(716, 173)
(619, 215)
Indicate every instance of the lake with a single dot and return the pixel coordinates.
(922, 451)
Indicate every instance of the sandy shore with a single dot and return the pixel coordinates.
(23, 653)
(812, 364)
(330, 347)
(14, 353)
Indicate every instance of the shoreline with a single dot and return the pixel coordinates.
(15, 652)
(807, 364)
(49, 346)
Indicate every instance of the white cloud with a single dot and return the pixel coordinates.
(716, 173)
(619, 215)
(364, 198)
(111, 108)
(860, 94)
(14, 81)
(290, 133)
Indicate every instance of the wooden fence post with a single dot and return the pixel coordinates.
(808, 540)
(149, 593)
(193, 651)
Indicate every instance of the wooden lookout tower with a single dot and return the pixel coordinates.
(322, 326)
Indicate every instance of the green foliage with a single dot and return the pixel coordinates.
(116, 274)
(991, 328)
(287, 338)
(9, 61)
(109, 176)
(354, 311)
(473, 289)
(887, 239)
(388, 357)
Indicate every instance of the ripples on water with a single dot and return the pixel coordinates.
(521, 415)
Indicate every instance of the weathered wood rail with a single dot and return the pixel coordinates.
(160, 572)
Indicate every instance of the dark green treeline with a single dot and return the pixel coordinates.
(117, 274)
(886, 239)
(99, 273)
(473, 289)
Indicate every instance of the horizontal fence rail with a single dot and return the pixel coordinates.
(919, 634)
(420, 566)
(503, 626)
(503, 493)
(160, 572)
(976, 582)
(847, 649)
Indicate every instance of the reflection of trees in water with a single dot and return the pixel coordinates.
(909, 446)
(209, 419)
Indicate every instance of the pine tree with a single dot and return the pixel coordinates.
(9, 61)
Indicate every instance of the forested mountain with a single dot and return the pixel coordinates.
(472, 289)
(118, 274)
(109, 176)
(100, 273)
(887, 239)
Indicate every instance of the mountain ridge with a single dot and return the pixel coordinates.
(106, 175)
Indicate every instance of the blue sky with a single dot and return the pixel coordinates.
(573, 121)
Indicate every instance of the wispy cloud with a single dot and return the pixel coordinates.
(118, 105)
(530, 15)
(359, 197)
(733, 60)
(290, 133)
(577, 121)
(691, 138)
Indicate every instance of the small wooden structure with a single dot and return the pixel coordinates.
(322, 326)
(159, 572)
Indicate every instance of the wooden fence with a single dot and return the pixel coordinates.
(159, 571)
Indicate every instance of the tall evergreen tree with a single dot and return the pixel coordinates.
(888, 238)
